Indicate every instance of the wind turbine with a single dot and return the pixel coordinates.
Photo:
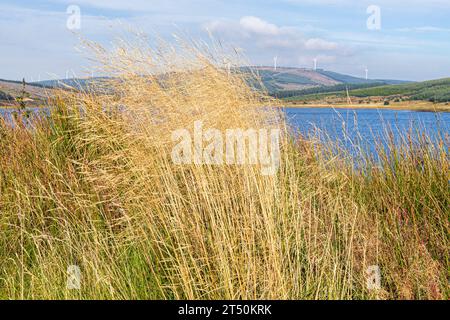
(367, 73)
(227, 64)
(315, 64)
(275, 63)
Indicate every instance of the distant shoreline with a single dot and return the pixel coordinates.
(406, 106)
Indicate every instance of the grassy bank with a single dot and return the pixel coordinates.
(404, 105)
(95, 186)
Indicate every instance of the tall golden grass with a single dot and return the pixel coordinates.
(95, 186)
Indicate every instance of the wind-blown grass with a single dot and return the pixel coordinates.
(94, 186)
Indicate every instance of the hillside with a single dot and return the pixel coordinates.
(433, 91)
(346, 79)
(281, 79)
(79, 83)
(284, 79)
(36, 94)
(275, 81)
(283, 82)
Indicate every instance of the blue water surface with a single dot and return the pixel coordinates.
(354, 129)
(28, 114)
(364, 129)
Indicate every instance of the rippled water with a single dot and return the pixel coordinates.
(367, 126)
(352, 127)
(9, 114)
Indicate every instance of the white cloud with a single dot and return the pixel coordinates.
(320, 44)
(263, 40)
(257, 25)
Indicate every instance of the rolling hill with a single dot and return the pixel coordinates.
(290, 83)
(433, 91)
(291, 79)
(343, 78)
(280, 80)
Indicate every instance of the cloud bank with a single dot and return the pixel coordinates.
(264, 40)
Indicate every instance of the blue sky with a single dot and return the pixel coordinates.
(413, 42)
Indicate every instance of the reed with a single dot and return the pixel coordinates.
(94, 185)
